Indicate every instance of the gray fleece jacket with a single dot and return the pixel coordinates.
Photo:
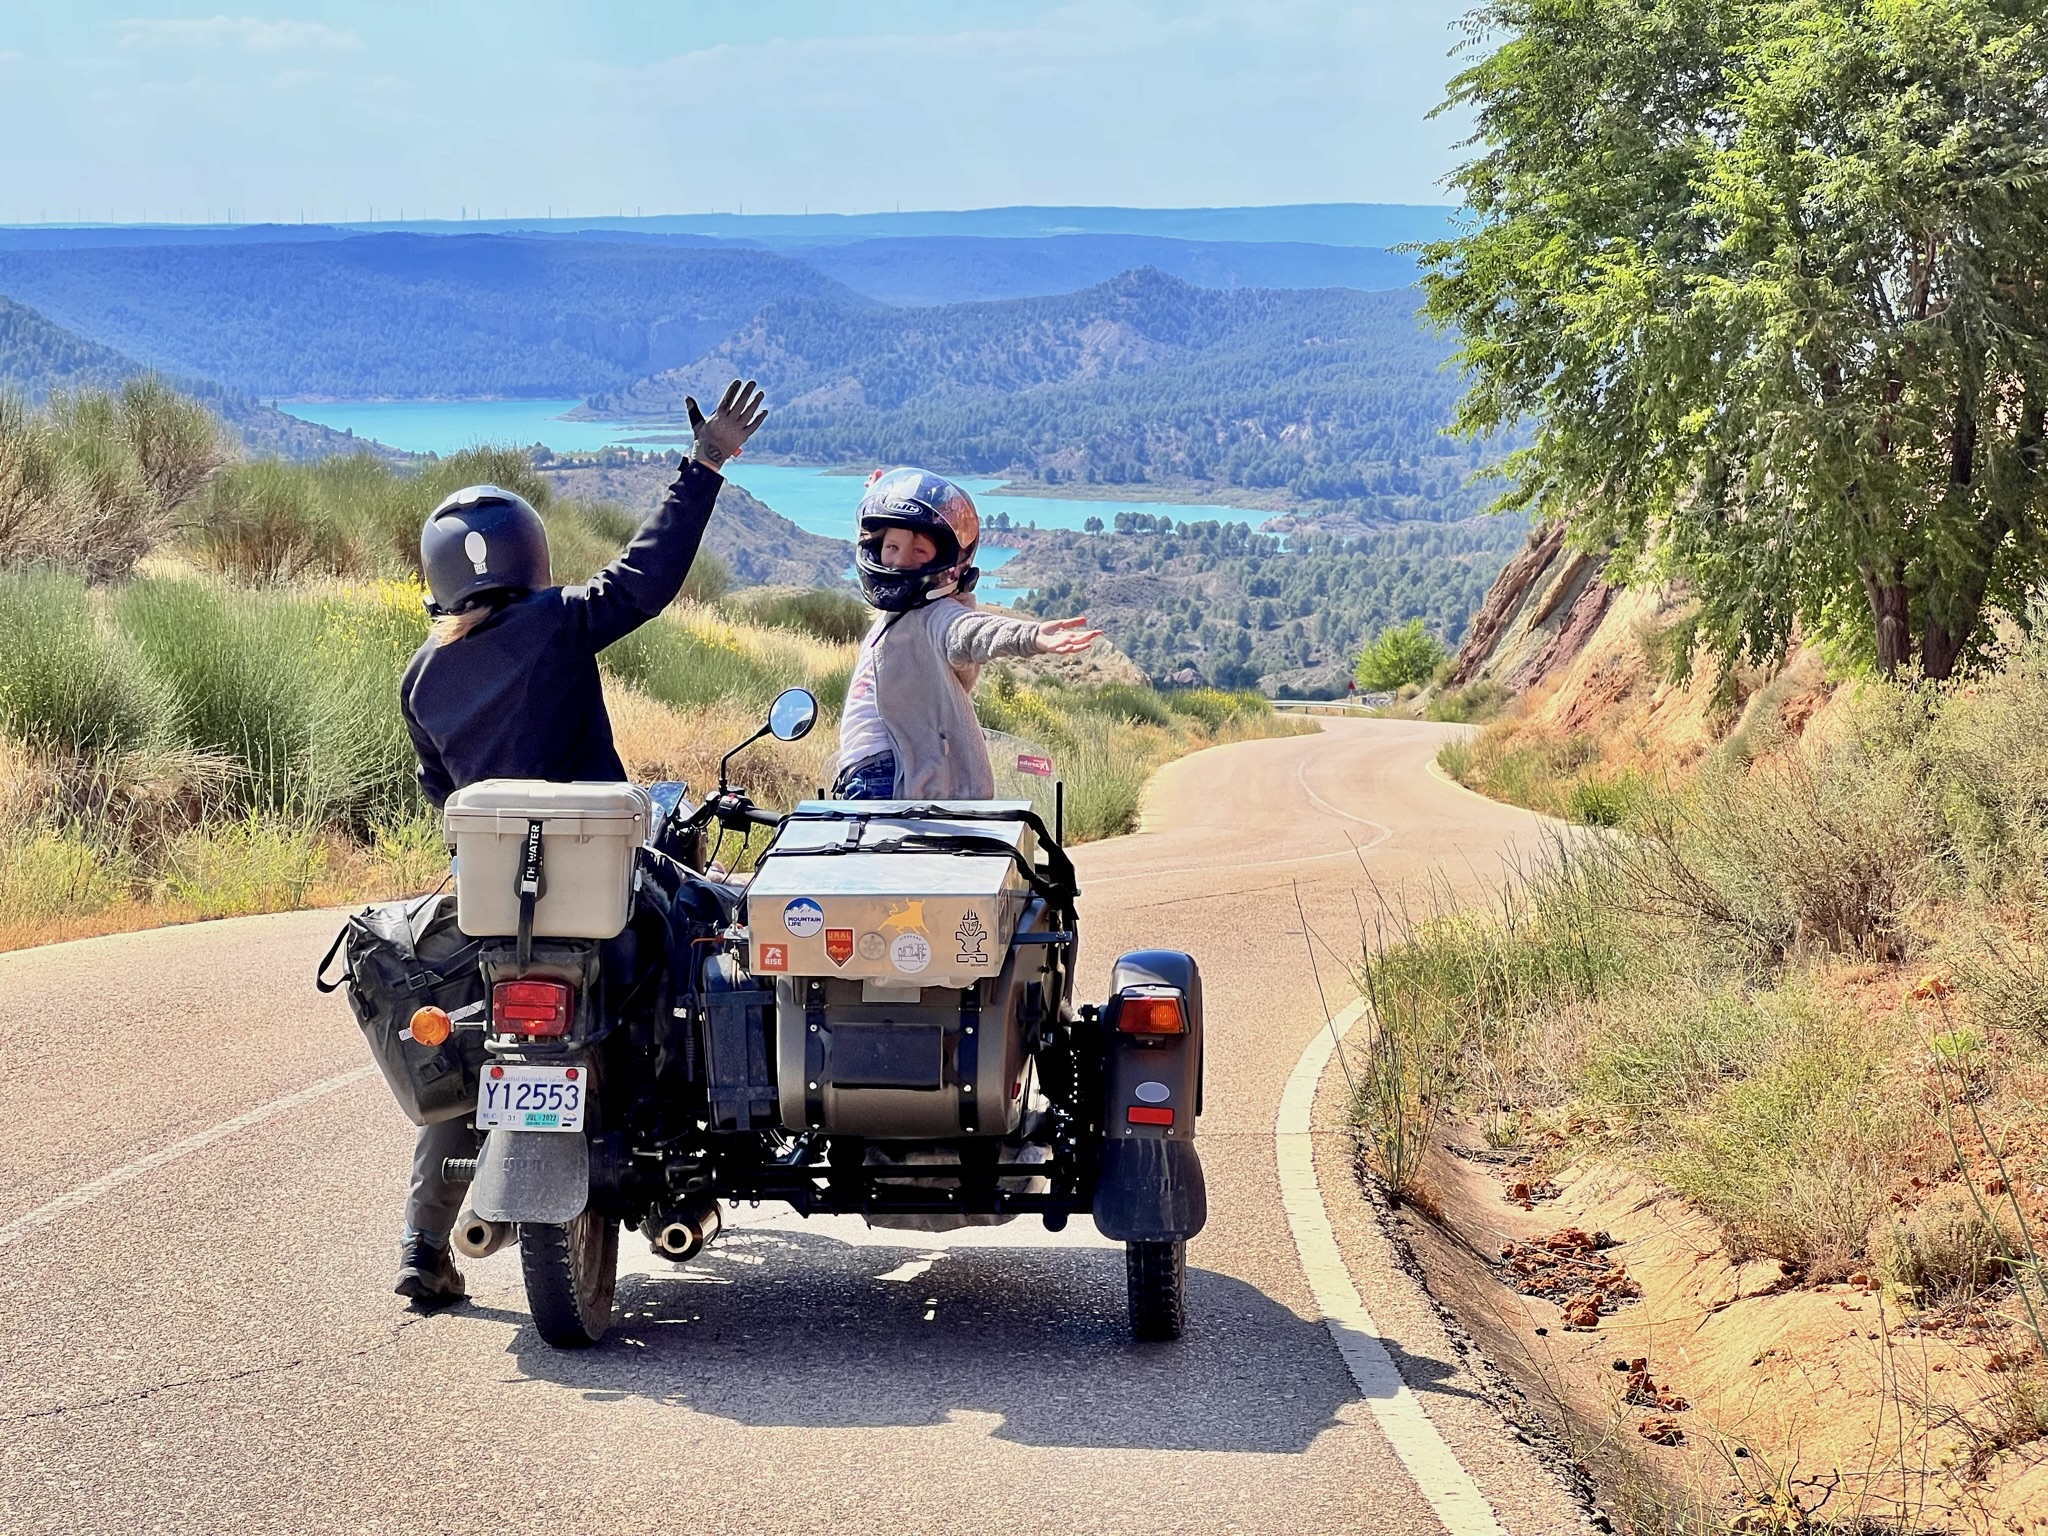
(922, 663)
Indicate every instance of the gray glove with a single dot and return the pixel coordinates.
(722, 434)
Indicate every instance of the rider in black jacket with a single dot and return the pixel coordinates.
(506, 687)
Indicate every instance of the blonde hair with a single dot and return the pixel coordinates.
(450, 627)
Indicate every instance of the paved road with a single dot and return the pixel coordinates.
(209, 1343)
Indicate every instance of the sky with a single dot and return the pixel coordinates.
(127, 110)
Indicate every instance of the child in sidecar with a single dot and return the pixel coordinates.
(908, 731)
(507, 687)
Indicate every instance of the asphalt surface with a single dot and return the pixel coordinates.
(209, 1342)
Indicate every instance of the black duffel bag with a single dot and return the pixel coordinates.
(402, 956)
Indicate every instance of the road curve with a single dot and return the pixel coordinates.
(199, 1186)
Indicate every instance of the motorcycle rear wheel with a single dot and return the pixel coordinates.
(570, 1271)
(1155, 1275)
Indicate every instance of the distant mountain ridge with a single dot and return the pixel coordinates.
(1365, 224)
(953, 269)
(410, 315)
(38, 358)
(1324, 394)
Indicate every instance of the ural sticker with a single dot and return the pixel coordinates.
(774, 957)
(839, 945)
(873, 946)
(973, 939)
(911, 953)
(803, 917)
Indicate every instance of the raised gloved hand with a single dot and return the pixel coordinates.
(722, 434)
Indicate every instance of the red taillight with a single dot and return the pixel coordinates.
(1151, 1012)
(530, 1007)
(1146, 1114)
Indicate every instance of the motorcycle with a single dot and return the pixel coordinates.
(879, 1020)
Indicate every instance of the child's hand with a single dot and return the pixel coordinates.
(1065, 637)
(724, 433)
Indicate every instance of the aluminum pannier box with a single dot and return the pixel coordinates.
(590, 836)
(861, 897)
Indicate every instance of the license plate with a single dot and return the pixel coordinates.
(531, 1099)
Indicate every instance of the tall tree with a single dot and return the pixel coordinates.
(1768, 276)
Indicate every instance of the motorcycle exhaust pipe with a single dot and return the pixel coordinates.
(476, 1238)
(680, 1236)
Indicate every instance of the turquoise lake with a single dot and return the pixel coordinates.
(816, 500)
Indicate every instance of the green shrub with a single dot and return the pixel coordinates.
(1216, 707)
(269, 521)
(1789, 1158)
(66, 685)
(1397, 656)
(1949, 1249)
(301, 692)
(829, 614)
(1465, 706)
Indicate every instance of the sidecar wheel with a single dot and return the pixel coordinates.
(570, 1271)
(1156, 1274)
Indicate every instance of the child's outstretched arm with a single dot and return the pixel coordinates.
(646, 578)
(975, 636)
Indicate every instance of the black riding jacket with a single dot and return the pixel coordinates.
(518, 697)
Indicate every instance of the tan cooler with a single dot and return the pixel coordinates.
(590, 840)
(843, 899)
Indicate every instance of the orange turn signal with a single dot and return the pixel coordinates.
(431, 1026)
(1151, 1014)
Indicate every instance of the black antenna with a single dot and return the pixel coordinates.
(1059, 812)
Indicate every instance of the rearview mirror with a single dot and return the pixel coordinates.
(792, 715)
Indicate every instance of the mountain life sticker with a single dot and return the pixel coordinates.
(972, 939)
(839, 945)
(910, 953)
(803, 917)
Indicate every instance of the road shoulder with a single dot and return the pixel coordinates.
(1533, 1486)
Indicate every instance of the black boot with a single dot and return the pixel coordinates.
(427, 1275)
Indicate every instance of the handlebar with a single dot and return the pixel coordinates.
(733, 810)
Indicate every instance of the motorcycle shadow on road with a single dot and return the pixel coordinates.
(800, 1330)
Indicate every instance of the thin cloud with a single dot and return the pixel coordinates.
(251, 34)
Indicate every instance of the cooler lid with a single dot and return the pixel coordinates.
(492, 802)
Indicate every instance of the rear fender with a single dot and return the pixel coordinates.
(1151, 1186)
(537, 1176)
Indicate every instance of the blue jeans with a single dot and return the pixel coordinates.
(872, 778)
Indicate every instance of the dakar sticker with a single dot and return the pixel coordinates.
(911, 953)
(1032, 763)
(839, 945)
(774, 957)
(873, 946)
(803, 917)
(972, 938)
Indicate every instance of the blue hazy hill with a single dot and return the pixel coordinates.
(410, 315)
(952, 269)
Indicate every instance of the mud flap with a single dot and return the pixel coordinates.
(538, 1176)
(1150, 1191)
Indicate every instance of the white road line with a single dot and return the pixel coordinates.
(1434, 1466)
(1301, 778)
(127, 1173)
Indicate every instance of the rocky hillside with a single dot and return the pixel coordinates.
(1582, 658)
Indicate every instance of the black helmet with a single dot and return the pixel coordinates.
(924, 503)
(482, 540)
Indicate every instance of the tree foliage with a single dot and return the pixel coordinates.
(1768, 277)
(1232, 606)
(1399, 655)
